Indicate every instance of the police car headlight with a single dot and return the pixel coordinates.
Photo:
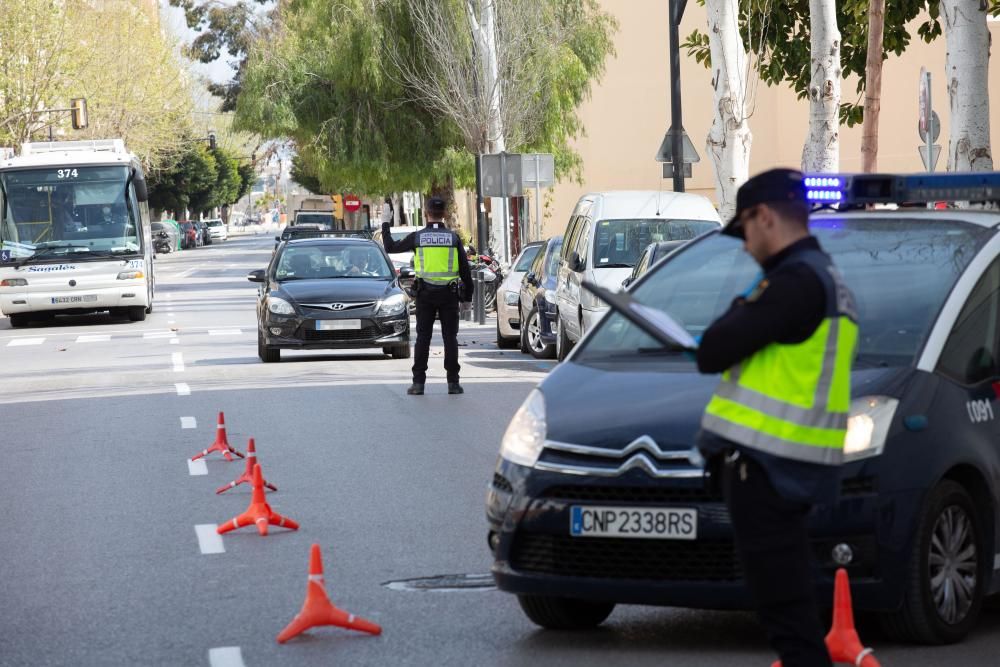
(511, 298)
(525, 436)
(868, 426)
(394, 305)
(279, 306)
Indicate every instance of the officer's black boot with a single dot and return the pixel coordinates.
(455, 388)
(416, 389)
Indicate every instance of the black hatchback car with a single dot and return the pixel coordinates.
(600, 496)
(328, 293)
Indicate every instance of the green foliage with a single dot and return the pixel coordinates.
(202, 179)
(785, 57)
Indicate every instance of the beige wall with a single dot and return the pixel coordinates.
(628, 112)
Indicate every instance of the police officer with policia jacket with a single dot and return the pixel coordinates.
(773, 432)
(443, 278)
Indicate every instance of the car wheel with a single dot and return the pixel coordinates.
(137, 313)
(533, 334)
(268, 355)
(563, 346)
(19, 320)
(503, 342)
(401, 352)
(945, 579)
(564, 613)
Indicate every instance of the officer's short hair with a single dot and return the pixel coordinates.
(792, 211)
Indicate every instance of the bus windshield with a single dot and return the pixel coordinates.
(67, 211)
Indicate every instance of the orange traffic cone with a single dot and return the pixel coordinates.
(221, 443)
(247, 476)
(259, 512)
(318, 610)
(842, 641)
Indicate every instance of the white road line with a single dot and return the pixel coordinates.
(189, 422)
(159, 334)
(225, 656)
(225, 332)
(183, 389)
(209, 541)
(197, 467)
(174, 341)
(19, 342)
(93, 338)
(178, 360)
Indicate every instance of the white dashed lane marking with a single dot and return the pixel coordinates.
(198, 467)
(209, 541)
(20, 342)
(159, 334)
(174, 341)
(189, 422)
(225, 332)
(178, 360)
(183, 389)
(93, 338)
(225, 656)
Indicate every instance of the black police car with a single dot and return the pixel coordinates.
(330, 293)
(600, 497)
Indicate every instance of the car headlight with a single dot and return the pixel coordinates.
(868, 425)
(525, 436)
(394, 305)
(511, 298)
(279, 306)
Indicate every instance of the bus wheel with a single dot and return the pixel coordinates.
(137, 313)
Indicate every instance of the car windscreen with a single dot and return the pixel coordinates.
(215, 223)
(527, 257)
(552, 261)
(399, 236)
(900, 271)
(619, 243)
(79, 211)
(332, 260)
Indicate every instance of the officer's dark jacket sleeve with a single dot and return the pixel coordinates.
(464, 272)
(408, 244)
(788, 310)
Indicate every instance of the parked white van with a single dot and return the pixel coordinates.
(603, 240)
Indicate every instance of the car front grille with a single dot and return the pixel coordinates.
(613, 558)
(367, 333)
(632, 494)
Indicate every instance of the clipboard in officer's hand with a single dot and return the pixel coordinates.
(656, 323)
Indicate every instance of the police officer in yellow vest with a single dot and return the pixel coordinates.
(443, 278)
(773, 432)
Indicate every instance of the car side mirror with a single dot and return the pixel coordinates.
(406, 273)
(277, 239)
(530, 278)
(256, 276)
(627, 282)
(575, 262)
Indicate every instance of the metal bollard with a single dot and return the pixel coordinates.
(478, 298)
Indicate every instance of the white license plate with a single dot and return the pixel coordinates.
(337, 325)
(83, 298)
(656, 523)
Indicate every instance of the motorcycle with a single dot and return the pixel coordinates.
(492, 277)
(161, 243)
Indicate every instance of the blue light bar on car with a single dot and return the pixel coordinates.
(859, 189)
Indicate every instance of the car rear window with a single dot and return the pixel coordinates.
(618, 243)
(900, 271)
(527, 257)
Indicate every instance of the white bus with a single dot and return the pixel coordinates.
(74, 232)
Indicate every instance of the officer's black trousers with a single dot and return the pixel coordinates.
(442, 304)
(773, 546)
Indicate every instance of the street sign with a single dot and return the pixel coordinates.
(668, 170)
(935, 154)
(502, 175)
(924, 101)
(935, 126)
(666, 152)
(538, 170)
(351, 203)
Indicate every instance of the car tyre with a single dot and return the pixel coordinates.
(268, 355)
(563, 346)
(948, 547)
(19, 320)
(564, 613)
(137, 313)
(503, 342)
(401, 352)
(538, 348)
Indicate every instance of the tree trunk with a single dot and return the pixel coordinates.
(821, 152)
(729, 139)
(967, 70)
(873, 87)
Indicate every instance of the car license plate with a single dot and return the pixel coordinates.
(337, 325)
(83, 298)
(657, 523)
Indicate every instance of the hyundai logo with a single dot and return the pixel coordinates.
(337, 306)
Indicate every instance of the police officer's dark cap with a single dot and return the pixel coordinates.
(436, 206)
(776, 185)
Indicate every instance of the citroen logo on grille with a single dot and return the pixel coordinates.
(337, 306)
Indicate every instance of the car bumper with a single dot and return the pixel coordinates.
(129, 293)
(528, 512)
(302, 334)
(508, 318)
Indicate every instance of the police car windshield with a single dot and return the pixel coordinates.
(900, 270)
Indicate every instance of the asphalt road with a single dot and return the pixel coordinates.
(100, 560)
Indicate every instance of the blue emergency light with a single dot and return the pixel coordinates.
(861, 189)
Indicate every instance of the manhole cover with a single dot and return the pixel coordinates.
(444, 582)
